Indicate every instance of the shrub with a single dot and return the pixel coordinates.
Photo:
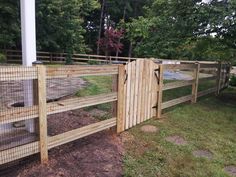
(232, 81)
(2, 58)
(93, 62)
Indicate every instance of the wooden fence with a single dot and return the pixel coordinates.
(15, 56)
(138, 93)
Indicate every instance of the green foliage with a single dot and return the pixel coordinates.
(92, 62)
(2, 58)
(171, 29)
(9, 24)
(188, 30)
(232, 81)
(97, 85)
(60, 24)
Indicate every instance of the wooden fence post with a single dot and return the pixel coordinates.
(218, 80)
(195, 83)
(120, 101)
(114, 89)
(42, 104)
(160, 91)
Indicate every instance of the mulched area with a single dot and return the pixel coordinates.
(98, 155)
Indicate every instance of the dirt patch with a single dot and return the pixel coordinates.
(97, 155)
(126, 137)
(231, 170)
(178, 140)
(98, 113)
(203, 153)
(149, 129)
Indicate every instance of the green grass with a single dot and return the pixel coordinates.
(97, 85)
(183, 91)
(209, 124)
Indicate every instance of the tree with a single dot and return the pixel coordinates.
(185, 29)
(9, 24)
(60, 24)
(110, 42)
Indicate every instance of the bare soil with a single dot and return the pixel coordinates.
(175, 139)
(231, 170)
(149, 129)
(203, 153)
(98, 155)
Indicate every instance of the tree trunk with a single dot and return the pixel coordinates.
(100, 26)
(130, 49)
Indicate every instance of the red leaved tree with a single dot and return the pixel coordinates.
(110, 42)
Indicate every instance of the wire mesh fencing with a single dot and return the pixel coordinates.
(18, 112)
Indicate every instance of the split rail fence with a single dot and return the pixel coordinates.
(138, 90)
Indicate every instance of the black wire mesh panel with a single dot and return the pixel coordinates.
(18, 113)
(78, 96)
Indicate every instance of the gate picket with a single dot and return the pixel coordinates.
(140, 92)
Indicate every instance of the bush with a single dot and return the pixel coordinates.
(232, 81)
(93, 62)
(2, 58)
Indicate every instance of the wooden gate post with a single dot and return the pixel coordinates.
(218, 80)
(120, 101)
(160, 91)
(195, 83)
(42, 104)
(114, 89)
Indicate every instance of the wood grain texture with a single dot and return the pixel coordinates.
(42, 105)
(177, 84)
(78, 71)
(73, 135)
(121, 98)
(195, 83)
(176, 101)
(15, 73)
(18, 152)
(160, 92)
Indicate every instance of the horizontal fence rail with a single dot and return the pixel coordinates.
(15, 56)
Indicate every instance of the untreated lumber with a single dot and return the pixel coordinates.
(177, 84)
(160, 91)
(17, 73)
(72, 135)
(208, 65)
(203, 79)
(176, 101)
(42, 105)
(195, 83)
(206, 92)
(178, 66)
(25, 113)
(120, 102)
(78, 71)
(18, 152)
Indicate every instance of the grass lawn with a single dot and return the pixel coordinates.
(98, 85)
(209, 125)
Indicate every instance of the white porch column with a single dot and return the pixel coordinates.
(28, 37)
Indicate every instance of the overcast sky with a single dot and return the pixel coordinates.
(206, 1)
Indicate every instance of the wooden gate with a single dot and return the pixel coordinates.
(139, 98)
